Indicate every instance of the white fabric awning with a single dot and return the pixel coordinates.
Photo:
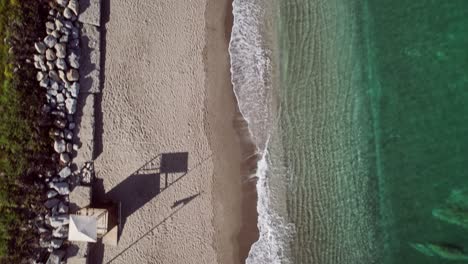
(82, 228)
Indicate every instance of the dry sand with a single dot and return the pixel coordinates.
(167, 90)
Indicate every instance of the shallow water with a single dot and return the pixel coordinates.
(360, 111)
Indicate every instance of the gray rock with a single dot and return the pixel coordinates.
(65, 31)
(75, 89)
(53, 75)
(68, 13)
(60, 123)
(50, 41)
(68, 24)
(71, 126)
(60, 98)
(56, 243)
(40, 47)
(73, 5)
(70, 105)
(74, 60)
(65, 158)
(68, 135)
(73, 75)
(44, 243)
(62, 208)
(63, 76)
(75, 33)
(75, 44)
(65, 172)
(37, 65)
(59, 146)
(61, 187)
(52, 92)
(61, 50)
(64, 39)
(61, 231)
(40, 76)
(51, 203)
(54, 85)
(56, 34)
(69, 147)
(51, 194)
(50, 65)
(39, 57)
(55, 257)
(58, 24)
(44, 83)
(50, 55)
(50, 25)
(61, 65)
(62, 3)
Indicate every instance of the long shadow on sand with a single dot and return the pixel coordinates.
(144, 184)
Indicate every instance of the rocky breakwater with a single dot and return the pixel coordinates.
(57, 60)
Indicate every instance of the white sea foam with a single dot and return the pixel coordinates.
(251, 78)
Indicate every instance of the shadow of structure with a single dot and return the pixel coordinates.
(98, 115)
(155, 176)
(144, 184)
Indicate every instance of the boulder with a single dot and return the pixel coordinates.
(60, 123)
(61, 50)
(62, 3)
(62, 76)
(64, 39)
(70, 105)
(62, 208)
(56, 243)
(40, 76)
(56, 34)
(50, 25)
(73, 75)
(59, 146)
(53, 75)
(45, 82)
(61, 187)
(51, 194)
(65, 31)
(74, 60)
(40, 47)
(58, 24)
(54, 85)
(61, 65)
(55, 257)
(60, 98)
(50, 55)
(65, 158)
(73, 5)
(75, 89)
(75, 33)
(68, 135)
(68, 13)
(68, 24)
(65, 172)
(39, 57)
(50, 41)
(60, 232)
(51, 203)
(75, 44)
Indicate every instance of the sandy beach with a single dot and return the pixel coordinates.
(167, 146)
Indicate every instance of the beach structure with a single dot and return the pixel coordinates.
(90, 224)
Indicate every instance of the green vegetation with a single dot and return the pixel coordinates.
(22, 137)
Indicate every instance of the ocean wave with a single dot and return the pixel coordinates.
(251, 71)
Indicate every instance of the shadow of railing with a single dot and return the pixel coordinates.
(155, 176)
(184, 202)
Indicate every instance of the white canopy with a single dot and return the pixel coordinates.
(82, 228)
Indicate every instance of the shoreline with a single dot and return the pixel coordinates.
(242, 197)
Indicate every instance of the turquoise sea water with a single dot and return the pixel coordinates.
(360, 111)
